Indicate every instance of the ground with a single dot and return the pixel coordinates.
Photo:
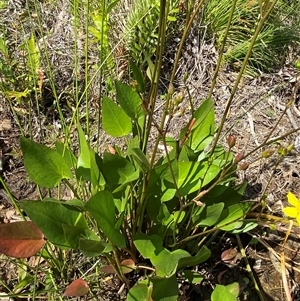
(257, 107)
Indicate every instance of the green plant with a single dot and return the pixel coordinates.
(278, 33)
(20, 81)
(128, 206)
(142, 29)
(99, 30)
(144, 213)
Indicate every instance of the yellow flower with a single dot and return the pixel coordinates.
(294, 211)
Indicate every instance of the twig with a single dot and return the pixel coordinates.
(283, 268)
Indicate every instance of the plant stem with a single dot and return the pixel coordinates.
(248, 267)
(243, 67)
(12, 198)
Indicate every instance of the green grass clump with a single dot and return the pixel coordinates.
(279, 32)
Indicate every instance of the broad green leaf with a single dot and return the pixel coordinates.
(228, 195)
(245, 227)
(187, 154)
(220, 156)
(94, 247)
(74, 233)
(179, 216)
(164, 261)
(202, 112)
(67, 155)
(203, 129)
(202, 255)
(194, 175)
(153, 207)
(140, 292)
(233, 226)
(132, 143)
(165, 289)
(148, 245)
(45, 166)
(211, 172)
(189, 176)
(192, 277)
(50, 216)
(164, 180)
(234, 288)
(101, 206)
(118, 170)
(129, 100)
(234, 213)
(210, 215)
(79, 204)
(164, 215)
(163, 171)
(222, 293)
(114, 120)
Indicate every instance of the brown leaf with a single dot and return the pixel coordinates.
(111, 149)
(228, 255)
(108, 269)
(77, 288)
(128, 265)
(5, 125)
(20, 239)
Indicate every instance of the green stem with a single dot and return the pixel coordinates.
(243, 67)
(214, 80)
(12, 198)
(153, 92)
(248, 267)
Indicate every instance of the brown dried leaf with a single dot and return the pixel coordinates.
(77, 288)
(5, 125)
(229, 255)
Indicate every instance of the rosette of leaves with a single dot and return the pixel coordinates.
(152, 218)
(142, 28)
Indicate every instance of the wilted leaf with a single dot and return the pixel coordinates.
(228, 255)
